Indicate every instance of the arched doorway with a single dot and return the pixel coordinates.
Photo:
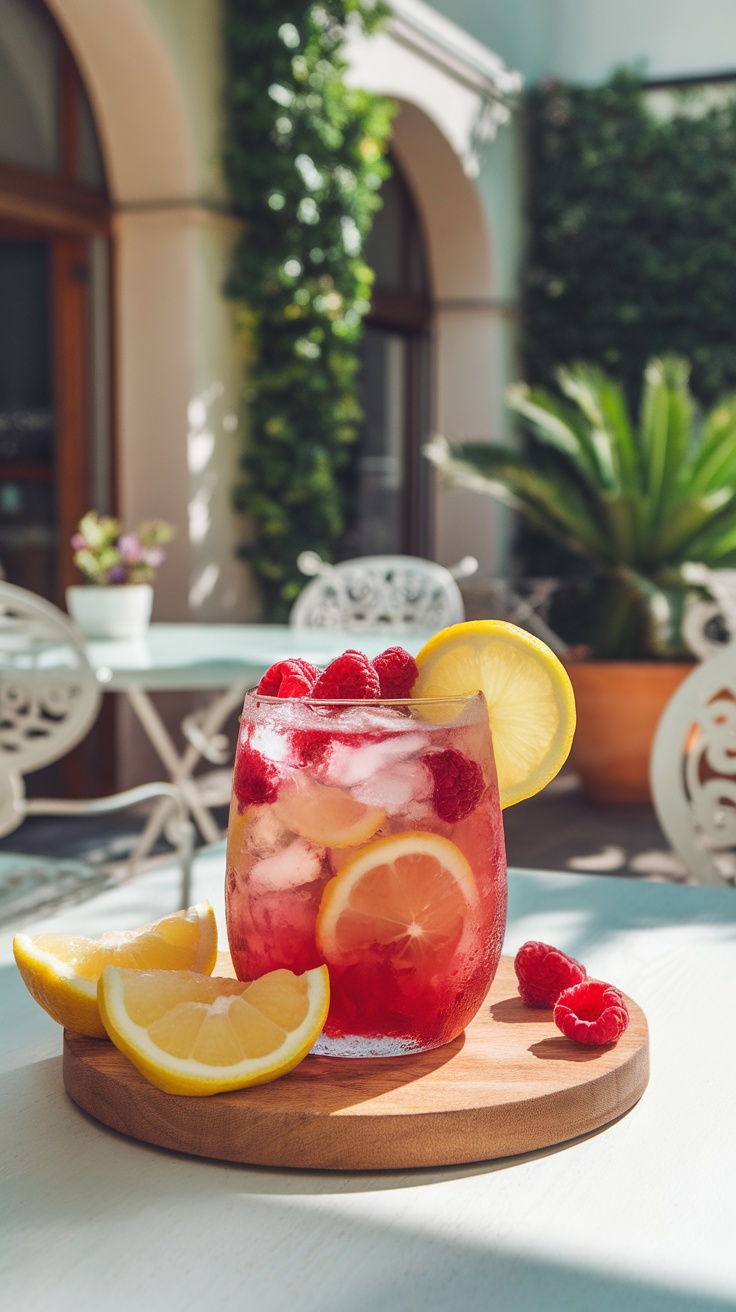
(55, 440)
(391, 509)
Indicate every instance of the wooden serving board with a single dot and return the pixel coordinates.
(510, 1084)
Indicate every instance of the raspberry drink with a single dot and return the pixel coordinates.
(365, 834)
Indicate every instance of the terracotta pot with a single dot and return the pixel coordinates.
(619, 704)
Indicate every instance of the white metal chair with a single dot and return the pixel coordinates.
(693, 770)
(49, 699)
(403, 594)
(708, 624)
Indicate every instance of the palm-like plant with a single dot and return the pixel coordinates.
(647, 506)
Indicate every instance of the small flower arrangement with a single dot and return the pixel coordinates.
(105, 554)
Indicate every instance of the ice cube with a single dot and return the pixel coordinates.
(352, 765)
(270, 743)
(265, 831)
(395, 788)
(297, 864)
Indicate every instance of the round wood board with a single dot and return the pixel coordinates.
(510, 1084)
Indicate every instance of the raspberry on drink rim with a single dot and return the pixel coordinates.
(350, 677)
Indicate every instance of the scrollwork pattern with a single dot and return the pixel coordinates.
(48, 693)
(710, 770)
(364, 600)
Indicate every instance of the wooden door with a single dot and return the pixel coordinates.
(45, 399)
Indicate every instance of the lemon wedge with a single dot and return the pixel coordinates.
(530, 700)
(194, 1034)
(61, 970)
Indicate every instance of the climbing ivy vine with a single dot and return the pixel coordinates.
(305, 159)
(632, 215)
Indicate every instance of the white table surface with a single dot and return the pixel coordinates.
(184, 656)
(638, 1216)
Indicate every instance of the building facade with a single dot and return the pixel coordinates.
(116, 228)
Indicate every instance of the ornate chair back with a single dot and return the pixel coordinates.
(403, 594)
(49, 697)
(693, 770)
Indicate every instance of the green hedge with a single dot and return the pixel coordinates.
(632, 234)
(304, 156)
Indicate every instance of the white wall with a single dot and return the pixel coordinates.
(669, 38)
(584, 40)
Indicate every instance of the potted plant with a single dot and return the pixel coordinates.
(646, 506)
(119, 568)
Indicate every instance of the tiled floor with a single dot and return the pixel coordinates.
(561, 829)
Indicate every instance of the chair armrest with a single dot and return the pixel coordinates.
(101, 805)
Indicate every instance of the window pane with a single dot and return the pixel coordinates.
(394, 249)
(91, 168)
(378, 527)
(384, 249)
(27, 513)
(29, 86)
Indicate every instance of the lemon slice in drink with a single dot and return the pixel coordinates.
(405, 898)
(196, 1034)
(327, 816)
(61, 970)
(531, 706)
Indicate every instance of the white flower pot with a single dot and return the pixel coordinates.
(107, 611)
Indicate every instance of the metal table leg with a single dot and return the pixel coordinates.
(180, 767)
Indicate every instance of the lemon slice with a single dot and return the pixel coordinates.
(531, 706)
(403, 899)
(327, 816)
(61, 970)
(195, 1034)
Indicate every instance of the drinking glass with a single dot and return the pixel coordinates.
(367, 836)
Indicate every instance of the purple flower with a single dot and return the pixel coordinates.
(117, 574)
(153, 556)
(79, 541)
(129, 548)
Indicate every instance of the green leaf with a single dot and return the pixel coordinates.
(552, 424)
(549, 500)
(714, 465)
(680, 531)
(583, 385)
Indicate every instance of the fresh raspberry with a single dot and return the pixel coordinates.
(458, 783)
(350, 677)
(256, 780)
(292, 678)
(544, 973)
(591, 1012)
(397, 671)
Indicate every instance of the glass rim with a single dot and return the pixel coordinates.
(454, 698)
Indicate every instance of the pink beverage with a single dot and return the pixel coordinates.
(367, 835)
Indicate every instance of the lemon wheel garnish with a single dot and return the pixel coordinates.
(405, 898)
(61, 970)
(195, 1034)
(531, 705)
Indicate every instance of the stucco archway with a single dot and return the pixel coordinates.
(152, 172)
(442, 81)
(178, 377)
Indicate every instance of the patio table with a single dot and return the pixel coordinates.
(638, 1215)
(209, 658)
